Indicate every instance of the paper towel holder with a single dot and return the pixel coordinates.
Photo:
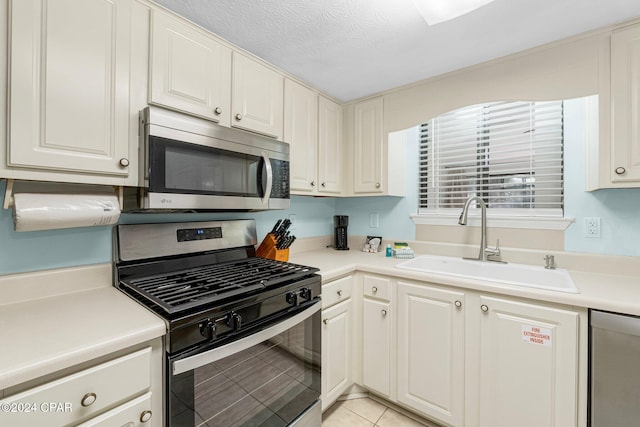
(9, 190)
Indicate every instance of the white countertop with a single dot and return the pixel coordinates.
(619, 293)
(76, 316)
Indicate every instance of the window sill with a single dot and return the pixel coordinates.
(526, 222)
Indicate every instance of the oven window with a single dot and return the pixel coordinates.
(269, 384)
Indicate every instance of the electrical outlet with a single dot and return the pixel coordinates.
(374, 220)
(592, 227)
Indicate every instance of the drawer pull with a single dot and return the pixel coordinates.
(145, 416)
(620, 170)
(374, 289)
(339, 293)
(88, 399)
(484, 308)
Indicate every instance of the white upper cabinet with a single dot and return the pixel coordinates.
(614, 133)
(330, 147)
(301, 132)
(190, 70)
(257, 97)
(378, 159)
(625, 105)
(368, 147)
(69, 89)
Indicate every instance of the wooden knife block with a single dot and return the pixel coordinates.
(267, 249)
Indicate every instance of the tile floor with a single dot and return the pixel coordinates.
(365, 412)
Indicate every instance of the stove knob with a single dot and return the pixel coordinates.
(234, 321)
(292, 298)
(305, 293)
(208, 329)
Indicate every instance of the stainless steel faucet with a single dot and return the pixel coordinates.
(485, 252)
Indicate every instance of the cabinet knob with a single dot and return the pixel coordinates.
(238, 117)
(377, 185)
(217, 111)
(374, 289)
(339, 293)
(323, 185)
(620, 170)
(88, 399)
(313, 183)
(384, 312)
(325, 321)
(124, 162)
(145, 416)
(458, 303)
(484, 308)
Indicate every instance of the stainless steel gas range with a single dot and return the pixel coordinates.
(243, 341)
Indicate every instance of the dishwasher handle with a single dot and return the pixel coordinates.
(621, 323)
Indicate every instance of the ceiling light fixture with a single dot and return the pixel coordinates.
(436, 11)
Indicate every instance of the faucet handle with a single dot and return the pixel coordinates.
(494, 251)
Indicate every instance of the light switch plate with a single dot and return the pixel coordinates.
(374, 220)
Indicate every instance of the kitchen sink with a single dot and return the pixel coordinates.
(512, 274)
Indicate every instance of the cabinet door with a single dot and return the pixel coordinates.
(376, 346)
(301, 132)
(368, 147)
(625, 105)
(190, 71)
(336, 352)
(431, 351)
(528, 370)
(257, 97)
(69, 85)
(330, 119)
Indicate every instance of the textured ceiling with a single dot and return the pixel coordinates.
(354, 48)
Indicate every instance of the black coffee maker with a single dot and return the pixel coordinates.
(340, 223)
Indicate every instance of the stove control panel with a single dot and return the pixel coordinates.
(190, 234)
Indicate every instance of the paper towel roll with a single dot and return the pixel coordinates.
(33, 211)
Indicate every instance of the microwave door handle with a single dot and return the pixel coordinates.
(267, 190)
(196, 361)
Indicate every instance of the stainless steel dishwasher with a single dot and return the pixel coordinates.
(614, 372)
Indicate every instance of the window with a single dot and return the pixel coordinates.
(508, 153)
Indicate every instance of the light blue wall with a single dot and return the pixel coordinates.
(619, 210)
(41, 250)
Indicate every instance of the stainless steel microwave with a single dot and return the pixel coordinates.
(189, 163)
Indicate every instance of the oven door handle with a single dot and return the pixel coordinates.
(192, 362)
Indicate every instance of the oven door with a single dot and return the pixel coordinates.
(270, 377)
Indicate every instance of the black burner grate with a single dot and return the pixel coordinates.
(185, 289)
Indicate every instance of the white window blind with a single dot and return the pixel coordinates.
(508, 153)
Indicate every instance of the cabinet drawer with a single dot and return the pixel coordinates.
(81, 395)
(336, 291)
(377, 287)
(135, 413)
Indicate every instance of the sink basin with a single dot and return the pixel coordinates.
(511, 274)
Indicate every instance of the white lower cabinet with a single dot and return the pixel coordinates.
(376, 336)
(336, 340)
(123, 391)
(431, 351)
(464, 358)
(529, 364)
